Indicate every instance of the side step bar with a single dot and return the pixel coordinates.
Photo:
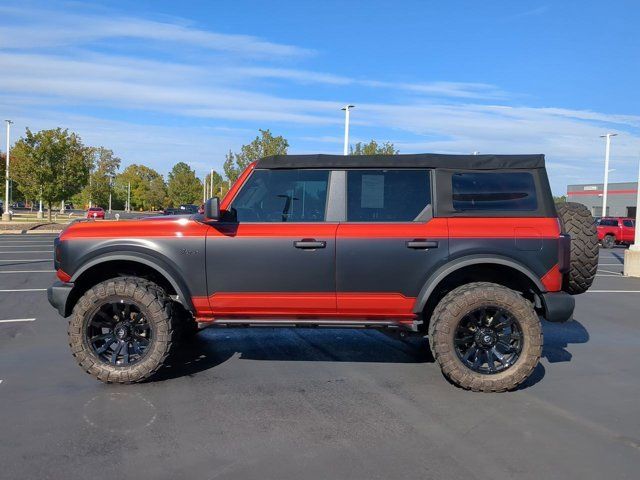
(297, 322)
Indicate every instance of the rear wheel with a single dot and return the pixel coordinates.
(583, 263)
(120, 330)
(485, 337)
(608, 241)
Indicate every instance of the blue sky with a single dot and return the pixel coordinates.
(165, 81)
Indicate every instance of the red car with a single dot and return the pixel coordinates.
(95, 212)
(616, 231)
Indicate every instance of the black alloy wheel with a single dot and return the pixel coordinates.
(488, 340)
(119, 333)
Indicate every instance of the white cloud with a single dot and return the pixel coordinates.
(80, 29)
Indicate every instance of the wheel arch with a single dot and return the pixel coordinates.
(112, 265)
(473, 269)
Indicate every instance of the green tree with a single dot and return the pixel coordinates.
(104, 168)
(51, 163)
(263, 145)
(15, 192)
(560, 199)
(373, 148)
(157, 194)
(220, 186)
(184, 186)
(147, 186)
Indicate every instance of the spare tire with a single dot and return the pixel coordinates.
(576, 220)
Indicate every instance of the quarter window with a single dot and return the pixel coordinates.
(387, 195)
(282, 196)
(628, 223)
(514, 191)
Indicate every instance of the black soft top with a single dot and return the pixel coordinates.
(418, 160)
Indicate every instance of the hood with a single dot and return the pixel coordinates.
(161, 226)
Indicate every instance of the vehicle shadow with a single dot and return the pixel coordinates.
(557, 337)
(214, 346)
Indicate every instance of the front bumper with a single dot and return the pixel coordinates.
(558, 306)
(58, 293)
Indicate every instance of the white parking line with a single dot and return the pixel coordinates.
(27, 271)
(608, 271)
(32, 260)
(12, 320)
(22, 245)
(26, 251)
(25, 290)
(611, 264)
(613, 291)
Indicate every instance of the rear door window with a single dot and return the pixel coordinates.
(387, 195)
(508, 191)
(628, 223)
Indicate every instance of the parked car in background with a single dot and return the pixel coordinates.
(616, 231)
(95, 212)
(185, 209)
(1, 207)
(19, 205)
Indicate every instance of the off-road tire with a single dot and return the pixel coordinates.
(608, 241)
(157, 306)
(580, 225)
(453, 308)
(184, 325)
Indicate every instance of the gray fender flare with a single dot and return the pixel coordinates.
(160, 266)
(443, 272)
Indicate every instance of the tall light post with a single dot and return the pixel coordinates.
(204, 190)
(346, 109)
(129, 197)
(606, 171)
(110, 188)
(6, 215)
(211, 192)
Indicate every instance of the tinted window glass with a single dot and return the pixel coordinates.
(494, 191)
(387, 195)
(627, 223)
(608, 222)
(283, 196)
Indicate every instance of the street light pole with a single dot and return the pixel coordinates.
(606, 171)
(6, 215)
(346, 109)
(110, 186)
(204, 190)
(211, 184)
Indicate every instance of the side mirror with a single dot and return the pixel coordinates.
(212, 209)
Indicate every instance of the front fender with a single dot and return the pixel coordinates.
(163, 268)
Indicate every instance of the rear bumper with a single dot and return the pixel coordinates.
(58, 293)
(558, 306)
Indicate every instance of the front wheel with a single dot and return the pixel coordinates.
(485, 337)
(120, 330)
(608, 241)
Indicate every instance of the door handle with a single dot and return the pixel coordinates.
(309, 244)
(420, 244)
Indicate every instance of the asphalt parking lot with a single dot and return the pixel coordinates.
(315, 404)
